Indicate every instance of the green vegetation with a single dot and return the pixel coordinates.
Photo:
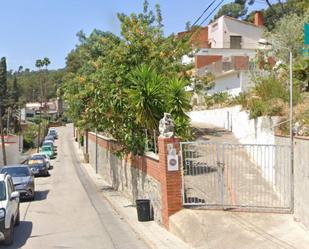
(123, 85)
(29, 86)
(273, 12)
(29, 135)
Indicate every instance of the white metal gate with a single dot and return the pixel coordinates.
(255, 177)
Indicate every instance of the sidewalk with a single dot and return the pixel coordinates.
(153, 234)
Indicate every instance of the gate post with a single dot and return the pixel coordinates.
(171, 184)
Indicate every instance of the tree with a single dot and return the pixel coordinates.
(281, 37)
(3, 98)
(301, 72)
(40, 64)
(280, 9)
(235, 9)
(119, 85)
(146, 93)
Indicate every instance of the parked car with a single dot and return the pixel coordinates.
(50, 137)
(48, 150)
(51, 143)
(53, 132)
(9, 211)
(38, 167)
(23, 180)
(41, 156)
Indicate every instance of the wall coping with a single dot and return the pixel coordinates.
(151, 155)
(103, 137)
(295, 137)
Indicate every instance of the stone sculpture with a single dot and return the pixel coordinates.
(166, 126)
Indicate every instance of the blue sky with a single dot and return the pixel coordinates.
(34, 29)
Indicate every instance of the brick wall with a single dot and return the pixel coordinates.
(139, 176)
(199, 38)
(204, 60)
(240, 62)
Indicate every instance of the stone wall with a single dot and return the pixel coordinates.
(301, 177)
(136, 178)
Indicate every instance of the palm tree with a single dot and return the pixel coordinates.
(178, 99)
(146, 96)
(46, 62)
(39, 64)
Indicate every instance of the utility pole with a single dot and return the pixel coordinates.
(2, 138)
(8, 124)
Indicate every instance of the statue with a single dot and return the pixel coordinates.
(166, 126)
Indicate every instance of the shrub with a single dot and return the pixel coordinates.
(257, 108)
(29, 135)
(221, 97)
(269, 87)
(242, 99)
(276, 107)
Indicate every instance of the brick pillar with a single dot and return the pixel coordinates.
(171, 185)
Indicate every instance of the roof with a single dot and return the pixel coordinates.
(235, 19)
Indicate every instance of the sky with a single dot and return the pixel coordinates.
(32, 30)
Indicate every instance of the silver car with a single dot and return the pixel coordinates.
(23, 180)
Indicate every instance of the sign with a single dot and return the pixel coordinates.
(172, 158)
(172, 163)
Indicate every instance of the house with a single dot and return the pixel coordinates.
(230, 53)
(52, 108)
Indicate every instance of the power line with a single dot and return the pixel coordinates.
(193, 33)
(212, 12)
(203, 13)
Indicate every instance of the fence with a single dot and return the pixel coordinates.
(242, 176)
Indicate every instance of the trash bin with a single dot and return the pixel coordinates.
(143, 209)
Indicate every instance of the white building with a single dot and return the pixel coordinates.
(228, 32)
(231, 54)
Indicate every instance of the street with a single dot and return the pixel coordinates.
(68, 211)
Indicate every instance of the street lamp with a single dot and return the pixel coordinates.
(266, 45)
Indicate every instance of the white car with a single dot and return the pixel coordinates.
(41, 155)
(9, 209)
(53, 132)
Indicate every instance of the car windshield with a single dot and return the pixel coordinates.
(37, 157)
(47, 143)
(16, 171)
(46, 148)
(2, 191)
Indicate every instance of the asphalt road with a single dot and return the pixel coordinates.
(69, 212)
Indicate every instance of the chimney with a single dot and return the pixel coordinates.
(258, 19)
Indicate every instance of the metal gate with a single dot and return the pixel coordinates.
(253, 177)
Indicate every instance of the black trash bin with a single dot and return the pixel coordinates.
(143, 209)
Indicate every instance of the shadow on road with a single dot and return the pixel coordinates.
(41, 195)
(201, 133)
(21, 234)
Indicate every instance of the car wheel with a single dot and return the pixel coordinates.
(31, 198)
(17, 221)
(9, 234)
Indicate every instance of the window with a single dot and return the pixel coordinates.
(10, 190)
(235, 41)
(2, 191)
